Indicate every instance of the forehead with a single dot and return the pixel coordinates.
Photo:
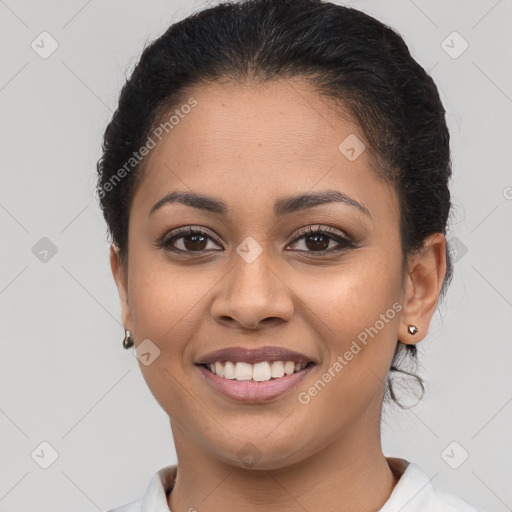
(267, 140)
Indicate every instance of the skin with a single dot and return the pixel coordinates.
(251, 146)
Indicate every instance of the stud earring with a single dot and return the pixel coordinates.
(412, 329)
(128, 339)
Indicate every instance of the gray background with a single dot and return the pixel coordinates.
(64, 377)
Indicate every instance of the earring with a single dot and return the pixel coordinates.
(412, 329)
(128, 339)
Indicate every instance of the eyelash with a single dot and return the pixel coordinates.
(165, 242)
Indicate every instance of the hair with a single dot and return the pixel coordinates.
(347, 55)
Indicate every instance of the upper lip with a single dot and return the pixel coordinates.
(253, 355)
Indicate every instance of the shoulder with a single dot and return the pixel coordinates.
(415, 492)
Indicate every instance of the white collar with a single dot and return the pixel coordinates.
(155, 499)
(414, 492)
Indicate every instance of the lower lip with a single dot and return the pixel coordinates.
(253, 391)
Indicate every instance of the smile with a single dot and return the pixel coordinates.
(259, 372)
(257, 382)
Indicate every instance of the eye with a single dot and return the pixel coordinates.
(317, 239)
(192, 239)
(188, 239)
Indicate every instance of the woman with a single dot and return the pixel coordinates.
(275, 183)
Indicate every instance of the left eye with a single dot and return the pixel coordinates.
(318, 240)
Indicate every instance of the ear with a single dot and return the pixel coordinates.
(120, 274)
(425, 275)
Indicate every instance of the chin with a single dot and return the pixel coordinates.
(262, 453)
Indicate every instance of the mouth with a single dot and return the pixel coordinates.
(259, 372)
(254, 374)
(252, 383)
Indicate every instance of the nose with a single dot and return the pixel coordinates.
(252, 295)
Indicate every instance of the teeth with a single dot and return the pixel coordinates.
(277, 369)
(229, 370)
(243, 371)
(289, 367)
(258, 372)
(261, 371)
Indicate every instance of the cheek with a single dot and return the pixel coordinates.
(352, 296)
(355, 311)
(165, 300)
(165, 304)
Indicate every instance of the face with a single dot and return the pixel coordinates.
(253, 278)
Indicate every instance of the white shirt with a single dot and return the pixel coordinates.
(413, 493)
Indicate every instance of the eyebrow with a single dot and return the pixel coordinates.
(282, 207)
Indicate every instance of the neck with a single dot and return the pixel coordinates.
(351, 470)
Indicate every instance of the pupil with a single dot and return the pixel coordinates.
(316, 238)
(193, 245)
